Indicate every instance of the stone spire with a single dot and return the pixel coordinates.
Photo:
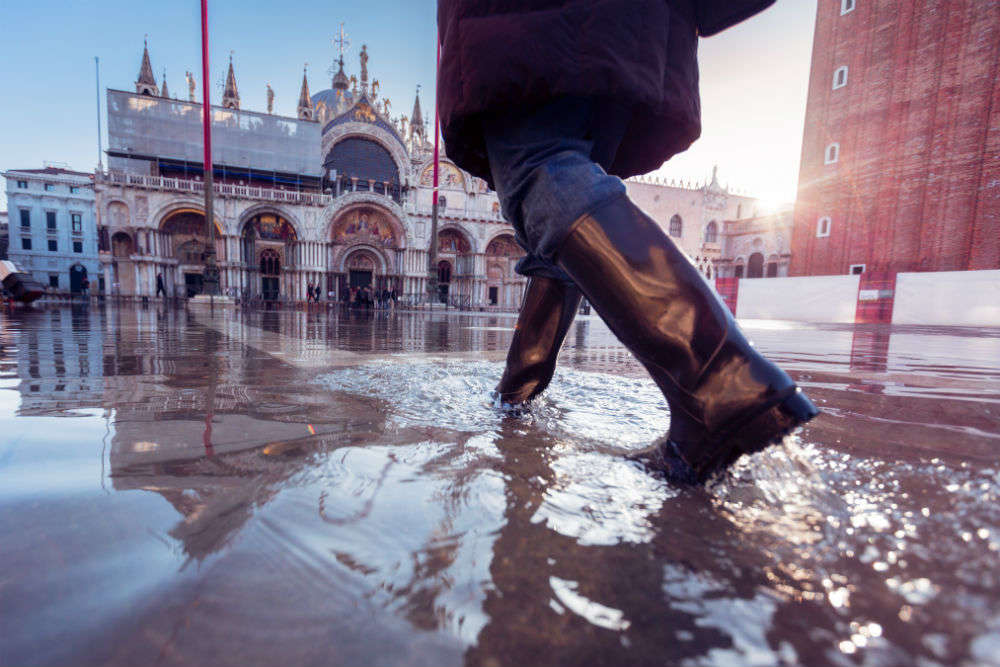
(146, 83)
(305, 101)
(231, 96)
(163, 91)
(417, 119)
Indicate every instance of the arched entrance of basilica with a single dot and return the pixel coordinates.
(123, 270)
(365, 240)
(267, 248)
(455, 251)
(504, 286)
(187, 242)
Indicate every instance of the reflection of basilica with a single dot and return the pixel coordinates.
(338, 197)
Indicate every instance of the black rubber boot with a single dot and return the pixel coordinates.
(725, 398)
(547, 310)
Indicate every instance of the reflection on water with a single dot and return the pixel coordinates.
(332, 488)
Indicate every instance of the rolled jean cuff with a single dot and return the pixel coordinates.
(531, 265)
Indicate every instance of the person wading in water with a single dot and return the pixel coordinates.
(553, 102)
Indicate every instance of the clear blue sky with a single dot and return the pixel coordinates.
(754, 77)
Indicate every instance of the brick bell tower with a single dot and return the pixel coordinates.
(900, 165)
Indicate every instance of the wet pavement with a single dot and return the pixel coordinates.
(332, 489)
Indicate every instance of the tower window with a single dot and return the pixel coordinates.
(846, 6)
(823, 227)
(840, 77)
(832, 153)
(22, 185)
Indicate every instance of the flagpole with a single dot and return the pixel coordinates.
(432, 275)
(100, 148)
(211, 271)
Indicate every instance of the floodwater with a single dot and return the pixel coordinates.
(178, 487)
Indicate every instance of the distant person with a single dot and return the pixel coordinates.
(558, 102)
(160, 288)
(309, 292)
(85, 287)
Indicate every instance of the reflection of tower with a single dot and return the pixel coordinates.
(870, 347)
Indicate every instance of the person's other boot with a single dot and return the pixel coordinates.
(725, 398)
(547, 310)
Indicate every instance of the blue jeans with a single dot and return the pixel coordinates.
(549, 168)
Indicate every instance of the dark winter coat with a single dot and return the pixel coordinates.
(501, 55)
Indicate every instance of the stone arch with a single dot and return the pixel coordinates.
(168, 212)
(771, 268)
(383, 137)
(739, 267)
(446, 168)
(258, 209)
(366, 223)
(355, 201)
(382, 263)
(755, 265)
(712, 232)
(463, 233)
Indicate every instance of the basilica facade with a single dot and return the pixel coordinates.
(339, 197)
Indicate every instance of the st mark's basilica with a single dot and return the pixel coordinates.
(340, 197)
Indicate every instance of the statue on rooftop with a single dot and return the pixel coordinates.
(270, 99)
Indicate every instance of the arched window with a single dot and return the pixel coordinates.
(442, 203)
(121, 245)
(676, 226)
(364, 160)
(739, 271)
(712, 233)
(755, 267)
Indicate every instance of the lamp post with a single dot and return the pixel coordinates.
(210, 274)
(432, 275)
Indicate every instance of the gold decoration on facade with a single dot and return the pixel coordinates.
(364, 112)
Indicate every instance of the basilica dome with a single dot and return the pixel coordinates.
(332, 102)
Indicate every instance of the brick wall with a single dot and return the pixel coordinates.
(916, 186)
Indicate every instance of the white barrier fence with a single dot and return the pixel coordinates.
(956, 298)
(803, 299)
(946, 298)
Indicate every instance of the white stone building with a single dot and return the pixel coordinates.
(52, 232)
(339, 197)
